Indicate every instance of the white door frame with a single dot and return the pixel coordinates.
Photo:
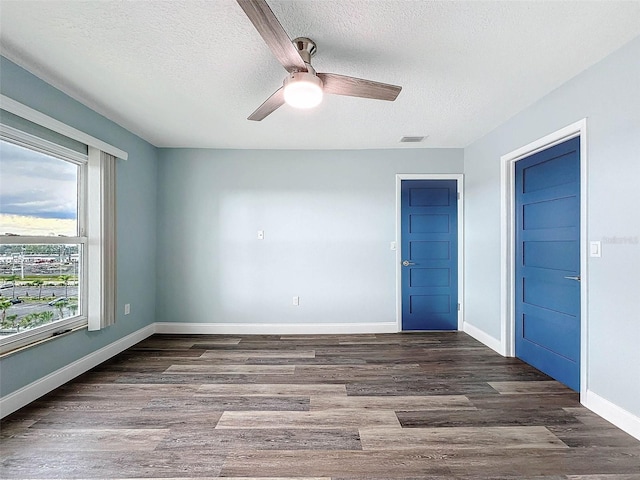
(507, 243)
(459, 177)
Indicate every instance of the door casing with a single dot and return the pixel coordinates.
(398, 242)
(507, 243)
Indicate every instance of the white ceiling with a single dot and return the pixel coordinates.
(187, 73)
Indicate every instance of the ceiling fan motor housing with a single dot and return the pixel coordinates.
(306, 48)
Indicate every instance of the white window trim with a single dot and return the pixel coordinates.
(28, 113)
(41, 145)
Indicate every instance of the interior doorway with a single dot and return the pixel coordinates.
(513, 247)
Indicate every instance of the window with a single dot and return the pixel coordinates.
(42, 248)
(57, 233)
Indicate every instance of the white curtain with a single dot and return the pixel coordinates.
(101, 255)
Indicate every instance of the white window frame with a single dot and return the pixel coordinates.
(20, 340)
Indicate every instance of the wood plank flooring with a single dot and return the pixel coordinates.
(350, 407)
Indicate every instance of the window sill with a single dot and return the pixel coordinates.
(21, 341)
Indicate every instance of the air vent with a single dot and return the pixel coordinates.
(412, 139)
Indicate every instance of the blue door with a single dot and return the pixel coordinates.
(547, 270)
(429, 228)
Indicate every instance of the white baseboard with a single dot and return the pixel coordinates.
(274, 328)
(611, 412)
(27, 394)
(482, 337)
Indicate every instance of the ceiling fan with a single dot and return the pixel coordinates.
(304, 87)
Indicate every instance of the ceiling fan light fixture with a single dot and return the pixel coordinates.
(302, 90)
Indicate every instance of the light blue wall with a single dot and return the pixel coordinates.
(608, 95)
(328, 218)
(136, 203)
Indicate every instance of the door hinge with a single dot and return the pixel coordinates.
(458, 307)
(458, 195)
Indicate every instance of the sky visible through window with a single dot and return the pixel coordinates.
(38, 193)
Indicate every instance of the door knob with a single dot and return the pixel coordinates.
(406, 263)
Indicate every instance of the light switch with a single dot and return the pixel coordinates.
(392, 245)
(595, 249)
(260, 234)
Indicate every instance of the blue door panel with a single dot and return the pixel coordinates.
(421, 250)
(549, 292)
(559, 212)
(555, 332)
(433, 304)
(550, 173)
(421, 223)
(430, 277)
(547, 304)
(552, 255)
(429, 197)
(429, 243)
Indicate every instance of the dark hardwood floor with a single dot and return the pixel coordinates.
(397, 406)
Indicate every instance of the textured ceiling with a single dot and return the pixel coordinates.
(187, 73)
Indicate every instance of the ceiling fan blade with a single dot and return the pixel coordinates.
(273, 34)
(358, 87)
(270, 105)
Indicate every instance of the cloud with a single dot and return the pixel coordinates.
(36, 185)
(43, 227)
(37, 208)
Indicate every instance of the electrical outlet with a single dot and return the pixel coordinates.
(296, 301)
(127, 308)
